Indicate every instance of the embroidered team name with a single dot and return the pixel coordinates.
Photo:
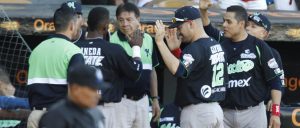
(217, 54)
(92, 56)
(240, 66)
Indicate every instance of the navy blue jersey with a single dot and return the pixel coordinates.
(67, 114)
(114, 63)
(251, 65)
(204, 73)
(170, 116)
(278, 60)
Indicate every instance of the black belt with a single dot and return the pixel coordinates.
(241, 107)
(135, 98)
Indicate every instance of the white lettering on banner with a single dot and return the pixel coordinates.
(240, 66)
(239, 83)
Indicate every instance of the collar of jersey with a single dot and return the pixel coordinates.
(122, 36)
(60, 36)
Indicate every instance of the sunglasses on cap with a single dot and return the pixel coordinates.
(175, 20)
(255, 17)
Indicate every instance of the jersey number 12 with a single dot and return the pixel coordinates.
(218, 73)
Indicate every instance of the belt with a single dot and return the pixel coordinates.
(241, 107)
(40, 108)
(135, 98)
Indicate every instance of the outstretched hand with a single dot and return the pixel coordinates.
(136, 39)
(172, 39)
(204, 4)
(159, 31)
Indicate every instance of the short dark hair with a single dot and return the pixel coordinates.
(97, 16)
(128, 7)
(62, 17)
(240, 13)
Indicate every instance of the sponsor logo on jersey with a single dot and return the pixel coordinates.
(239, 83)
(248, 55)
(166, 119)
(272, 63)
(92, 56)
(221, 89)
(240, 66)
(217, 54)
(188, 60)
(205, 91)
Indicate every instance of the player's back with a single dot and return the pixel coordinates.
(114, 63)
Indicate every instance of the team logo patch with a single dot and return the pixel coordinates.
(71, 4)
(188, 60)
(205, 91)
(272, 63)
(248, 55)
(147, 51)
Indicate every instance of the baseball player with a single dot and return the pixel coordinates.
(252, 70)
(78, 110)
(259, 26)
(135, 101)
(115, 64)
(49, 62)
(201, 70)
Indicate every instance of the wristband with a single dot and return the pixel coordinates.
(275, 110)
(176, 52)
(136, 51)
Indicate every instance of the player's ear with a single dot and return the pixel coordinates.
(242, 24)
(266, 34)
(71, 26)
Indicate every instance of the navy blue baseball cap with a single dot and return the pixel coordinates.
(73, 5)
(186, 13)
(85, 75)
(260, 20)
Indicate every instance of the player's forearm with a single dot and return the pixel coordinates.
(204, 17)
(276, 96)
(170, 60)
(153, 84)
